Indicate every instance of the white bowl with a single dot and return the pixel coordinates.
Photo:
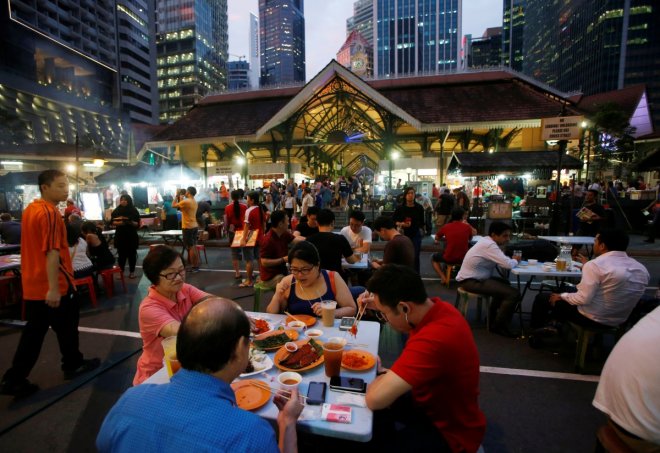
(532, 262)
(298, 326)
(314, 333)
(289, 376)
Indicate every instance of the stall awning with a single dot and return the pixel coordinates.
(472, 164)
(148, 173)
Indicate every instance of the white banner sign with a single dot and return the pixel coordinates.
(561, 128)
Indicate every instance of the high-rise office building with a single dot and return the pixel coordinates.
(513, 24)
(136, 22)
(485, 51)
(594, 46)
(192, 47)
(282, 41)
(362, 20)
(416, 36)
(255, 53)
(59, 75)
(238, 75)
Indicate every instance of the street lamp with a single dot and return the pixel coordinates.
(394, 155)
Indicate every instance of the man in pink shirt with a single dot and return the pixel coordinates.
(162, 311)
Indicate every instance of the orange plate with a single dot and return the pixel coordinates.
(369, 357)
(307, 319)
(282, 353)
(250, 396)
(292, 334)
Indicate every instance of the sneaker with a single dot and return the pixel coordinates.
(21, 389)
(194, 270)
(85, 366)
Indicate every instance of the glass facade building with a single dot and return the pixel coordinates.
(485, 51)
(192, 47)
(362, 20)
(238, 73)
(282, 41)
(594, 46)
(416, 36)
(512, 33)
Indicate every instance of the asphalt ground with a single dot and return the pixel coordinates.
(533, 400)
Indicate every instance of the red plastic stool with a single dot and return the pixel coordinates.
(108, 280)
(89, 281)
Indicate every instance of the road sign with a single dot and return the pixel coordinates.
(561, 128)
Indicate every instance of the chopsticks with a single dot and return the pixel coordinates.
(293, 317)
(264, 386)
(361, 309)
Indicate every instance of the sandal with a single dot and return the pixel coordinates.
(246, 284)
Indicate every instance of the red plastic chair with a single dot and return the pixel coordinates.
(108, 279)
(89, 281)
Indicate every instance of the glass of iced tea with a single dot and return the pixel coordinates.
(333, 350)
(169, 354)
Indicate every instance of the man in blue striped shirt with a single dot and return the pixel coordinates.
(197, 410)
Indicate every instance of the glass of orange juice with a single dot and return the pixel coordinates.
(169, 354)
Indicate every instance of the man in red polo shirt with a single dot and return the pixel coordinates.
(48, 289)
(428, 400)
(457, 235)
(274, 250)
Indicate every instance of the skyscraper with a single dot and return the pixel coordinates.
(59, 75)
(362, 20)
(416, 36)
(282, 41)
(255, 53)
(486, 51)
(192, 47)
(594, 46)
(512, 35)
(136, 25)
(238, 75)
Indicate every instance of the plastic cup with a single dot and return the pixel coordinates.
(328, 313)
(517, 255)
(561, 265)
(333, 351)
(289, 380)
(169, 354)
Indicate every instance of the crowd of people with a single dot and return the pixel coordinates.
(427, 400)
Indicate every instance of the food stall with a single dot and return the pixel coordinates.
(491, 178)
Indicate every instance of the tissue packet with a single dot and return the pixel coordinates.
(336, 413)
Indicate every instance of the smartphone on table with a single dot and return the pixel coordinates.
(348, 384)
(316, 393)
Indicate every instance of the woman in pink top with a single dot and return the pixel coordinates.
(162, 311)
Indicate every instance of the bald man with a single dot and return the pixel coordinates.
(197, 410)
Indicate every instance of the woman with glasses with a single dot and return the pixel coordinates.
(169, 299)
(303, 290)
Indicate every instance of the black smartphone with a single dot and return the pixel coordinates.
(346, 323)
(348, 384)
(316, 393)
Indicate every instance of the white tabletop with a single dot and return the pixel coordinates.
(108, 232)
(538, 269)
(361, 426)
(362, 264)
(167, 233)
(571, 240)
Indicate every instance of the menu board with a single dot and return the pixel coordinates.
(92, 205)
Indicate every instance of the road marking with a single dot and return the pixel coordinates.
(119, 333)
(539, 374)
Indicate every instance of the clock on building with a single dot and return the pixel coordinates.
(359, 63)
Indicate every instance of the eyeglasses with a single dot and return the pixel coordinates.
(381, 316)
(172, 275)
(301, 270)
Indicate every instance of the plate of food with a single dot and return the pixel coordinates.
(358, 360)
(307, 319)
(259, 326)
(274, 339)
(309, 355)
(250, 396)
(258, 363)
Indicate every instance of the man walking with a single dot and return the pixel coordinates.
(48, 289)
(188, 207)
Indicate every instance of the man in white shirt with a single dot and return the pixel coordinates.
(628, 391)
(476, 276)
(610, 287)
(358, 235)
(307, 201)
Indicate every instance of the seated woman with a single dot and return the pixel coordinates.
(302, 291)
(97, 247)
(82, 265)
(169, 299)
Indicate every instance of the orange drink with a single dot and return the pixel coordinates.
(333, 351)
(169, 354)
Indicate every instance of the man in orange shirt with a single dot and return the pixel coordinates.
(188, 207)
(48, 289)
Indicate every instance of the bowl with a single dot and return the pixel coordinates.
(298, 326)
(291, 346)
(314, 333)
(532, 262)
